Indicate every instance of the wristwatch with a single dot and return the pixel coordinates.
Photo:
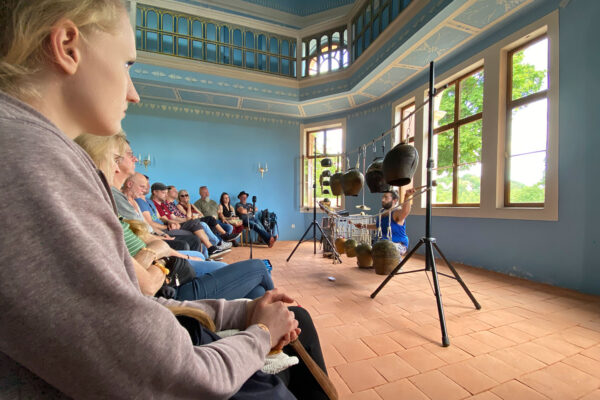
(264, 328)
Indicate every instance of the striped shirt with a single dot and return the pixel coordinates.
(134, 243)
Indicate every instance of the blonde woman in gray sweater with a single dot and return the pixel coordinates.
(73, 323)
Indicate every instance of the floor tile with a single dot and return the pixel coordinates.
(438, 386)
(382, 344)
(561, 382)
(421, 359)
(468, 377)
(392, 367)
(360, 375)
(516, 390)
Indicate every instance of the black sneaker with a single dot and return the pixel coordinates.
(214, 252)
(232, 237)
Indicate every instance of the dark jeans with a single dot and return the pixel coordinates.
(192, 240)
(245, 279)
(257, 227)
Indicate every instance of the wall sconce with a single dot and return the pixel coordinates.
(263, 170)
(145, 161)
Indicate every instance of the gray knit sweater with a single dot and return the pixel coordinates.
(73, 322)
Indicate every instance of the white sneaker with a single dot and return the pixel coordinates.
(224, 245)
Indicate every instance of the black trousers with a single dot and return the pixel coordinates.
(298, 378)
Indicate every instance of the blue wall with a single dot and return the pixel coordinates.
(222, 152)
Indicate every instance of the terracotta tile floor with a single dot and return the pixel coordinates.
(529, 340)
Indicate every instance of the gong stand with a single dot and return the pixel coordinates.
(428, 240)
(315, 224)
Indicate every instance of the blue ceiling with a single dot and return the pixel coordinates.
(435, 32)
(301, 7)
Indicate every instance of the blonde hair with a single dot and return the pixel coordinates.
(102, 150)
(25, 27)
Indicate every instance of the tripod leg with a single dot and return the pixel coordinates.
(335, 253)
(430, 262)
(458, 278)
(299, 242)
(391, 274)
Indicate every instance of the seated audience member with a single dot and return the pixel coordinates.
(213, 246)
(80, 327)
(227, 214)
(179, 214)
(247, 214)
(209, 207)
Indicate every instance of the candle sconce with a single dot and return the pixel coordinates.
(263, 170)
(146, 161)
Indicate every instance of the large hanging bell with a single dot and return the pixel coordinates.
(350, 247)
(325, 183)
(374, 177)
(339, 245)
(326, 163)
(326, 200)
(326, 173)
(364, 258)
(400, 164)
(385, 257)
(352, 182)
(336, 184)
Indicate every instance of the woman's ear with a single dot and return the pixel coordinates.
(66, 46)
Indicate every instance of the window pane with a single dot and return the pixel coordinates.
(368, 14)
(237, 57)
(237, 38)
(527, 178)
(167, 44)
(334, 141)
(293, 49)
(262, 43)
(345, 58)
(445, 111)
(471, 95)
(293, 65)
(469, 142)
(224, 55)
(274, 64)
(250, 59)
(138, 17)
(530, 70)
(274, 46)
(249, 40)
(345, 38)
(375, 6)
(442, 193)
(443, 144)
(469, 184)
(167, 23)
(138, 39)
(285, 67)
(408, 126)
(211, 32)
(376, 28)
(182, 25)
(152, 20)
(151, 41)
(197, 29)
(385, 18)
(529, 127)
(367, 38)
(359, 23)
(324, 63)
(320, 136)
(262, 62)
(395, 8)
(224, 35)
(211, 52)
(182, 47)
(197, 50)
(285, 48)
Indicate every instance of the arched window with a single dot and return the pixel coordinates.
(328, 52)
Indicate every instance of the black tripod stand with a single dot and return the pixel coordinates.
(314, 224)
(428, 240)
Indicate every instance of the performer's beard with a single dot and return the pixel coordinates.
(386, 206)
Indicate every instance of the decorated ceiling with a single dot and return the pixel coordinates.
(435, 30)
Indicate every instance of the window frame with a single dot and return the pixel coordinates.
(512, 104)
(494, 127)
(305, 131)
(455, 127)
